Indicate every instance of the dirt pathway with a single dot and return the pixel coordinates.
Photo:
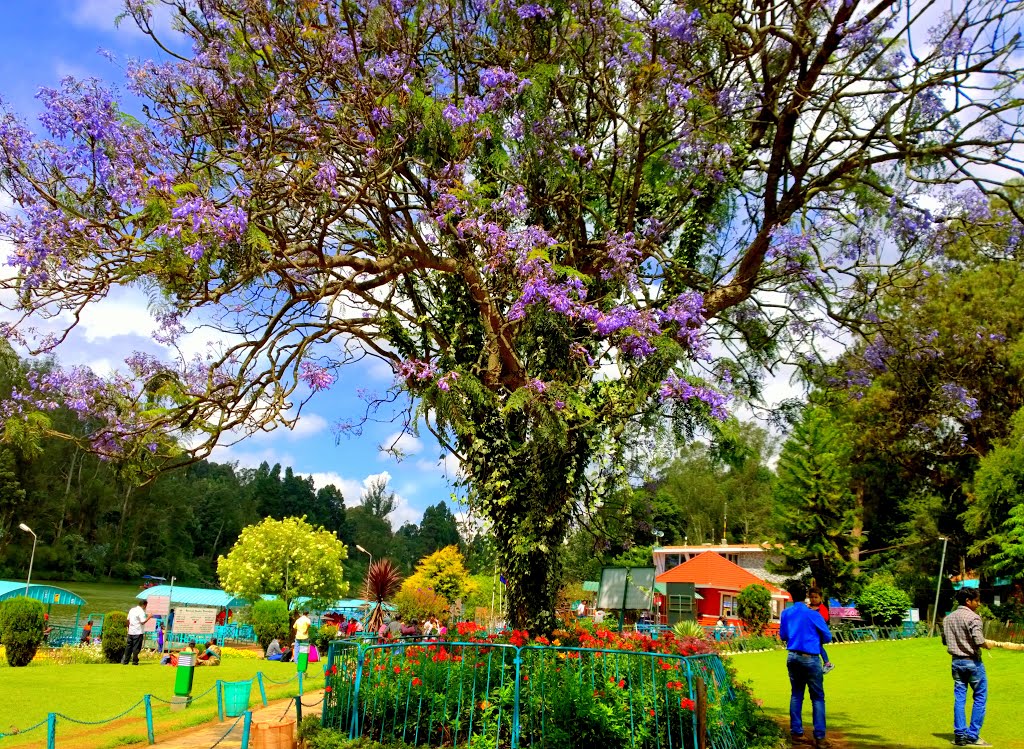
(228, 735)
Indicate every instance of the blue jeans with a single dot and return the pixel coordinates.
(969, 671)
(805, 673)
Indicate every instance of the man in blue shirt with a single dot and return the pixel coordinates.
(804, 632)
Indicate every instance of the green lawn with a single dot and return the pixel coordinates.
(895, 694)
(97, 692)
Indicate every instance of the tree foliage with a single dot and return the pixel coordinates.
(883, 603)
(499, 201)
(814, 505)
(754, 606)
(270, 620)
(21, 629)
(443, 572)
(288, 558)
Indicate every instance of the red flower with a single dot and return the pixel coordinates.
(417, 682)
(622, 684)
(687, 704)
(397, 669)
(651, 711)
(328, 689)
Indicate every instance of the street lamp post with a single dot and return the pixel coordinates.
(938, 585)
(360, 548)
(32, 558)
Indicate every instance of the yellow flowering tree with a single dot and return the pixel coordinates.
(288, 558)
(444, 572)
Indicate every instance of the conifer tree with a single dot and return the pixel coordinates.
(813, 502)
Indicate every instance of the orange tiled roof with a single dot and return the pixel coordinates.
(711, 570)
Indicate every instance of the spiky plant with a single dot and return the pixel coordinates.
(382, 581)
(689, 628)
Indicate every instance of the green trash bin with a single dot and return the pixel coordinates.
(183, 676)
(301, 655)
(236, 697)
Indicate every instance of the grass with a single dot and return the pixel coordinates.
(895, 694)
(97, 692)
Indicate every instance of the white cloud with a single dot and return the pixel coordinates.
(251, 458)
(123, 312)
(102, 14)
(352, 490)
(399, 445)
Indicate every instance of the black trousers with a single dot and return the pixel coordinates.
(132, 650)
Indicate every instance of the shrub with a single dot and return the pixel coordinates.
(322, 638)
(689, 628)
(754, 607)
(1011, 612)
(21, 621)
(883, 603)
(115, 635)
(419, 603)
(270, 620)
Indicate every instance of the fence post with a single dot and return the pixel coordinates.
(702, 714)
(263, 691)
(515, 702)
(219, 686)
(246, 725)
(354, 726)
(300, 683)
(298, 709)
(51, 731)
(149, 719)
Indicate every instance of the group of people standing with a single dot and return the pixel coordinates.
(394, 628)
(805, 630)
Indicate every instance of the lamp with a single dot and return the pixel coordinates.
(31, 559)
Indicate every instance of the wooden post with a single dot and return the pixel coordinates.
(702, 714)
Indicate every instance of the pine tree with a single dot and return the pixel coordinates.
(813, 502)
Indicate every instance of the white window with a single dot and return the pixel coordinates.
(728, 605)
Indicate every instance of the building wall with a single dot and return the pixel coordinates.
(712, 603)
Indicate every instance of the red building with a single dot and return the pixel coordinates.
(719, 582)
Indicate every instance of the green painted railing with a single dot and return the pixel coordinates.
(481, 694)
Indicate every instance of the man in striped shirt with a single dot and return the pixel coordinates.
(963, 637)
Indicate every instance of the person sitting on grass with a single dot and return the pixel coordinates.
(274, 650)
(171, 659)
(210, 656)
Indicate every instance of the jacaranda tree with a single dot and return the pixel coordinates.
(542, 214)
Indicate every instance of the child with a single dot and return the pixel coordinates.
(818, 605)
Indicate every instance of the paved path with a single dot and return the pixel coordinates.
(228, 735)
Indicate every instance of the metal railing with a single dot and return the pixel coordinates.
(484, 694)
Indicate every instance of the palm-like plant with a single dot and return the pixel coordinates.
(382, 581)
(689, 628)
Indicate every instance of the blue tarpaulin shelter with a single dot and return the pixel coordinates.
(49, 595)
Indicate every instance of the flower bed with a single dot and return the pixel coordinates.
(578, 688)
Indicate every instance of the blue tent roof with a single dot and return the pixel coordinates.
(182, 596)
(45, 593)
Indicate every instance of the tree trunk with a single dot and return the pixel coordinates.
(858, 526)
(67, 493)
(528, 488)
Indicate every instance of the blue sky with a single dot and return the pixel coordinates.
(42, 41)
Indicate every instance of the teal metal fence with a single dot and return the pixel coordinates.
(499, 695)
